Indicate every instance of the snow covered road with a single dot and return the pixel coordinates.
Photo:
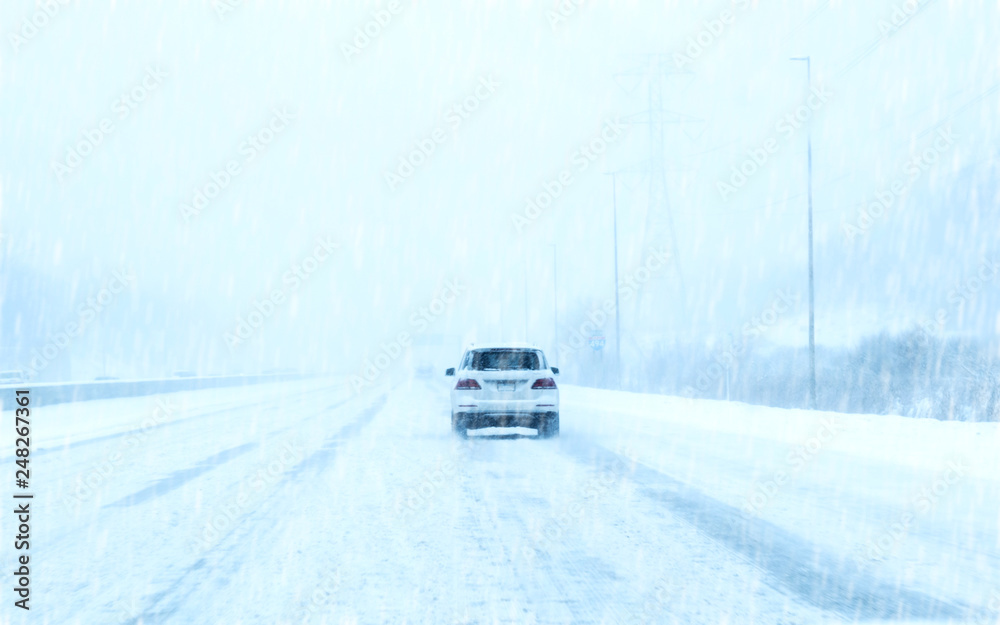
(298, 502)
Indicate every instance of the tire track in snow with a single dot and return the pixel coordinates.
(231, 548)
(70, 542)
(213, 412)
(139, 430)
(322, 457)
(824, 580)
(179, 478)
(551, 570)
(182, 476)
(487, 534)
(66, 534)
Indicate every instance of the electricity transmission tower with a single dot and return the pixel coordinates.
(665, 291)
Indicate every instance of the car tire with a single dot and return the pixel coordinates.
(548, 427)
(458, 426)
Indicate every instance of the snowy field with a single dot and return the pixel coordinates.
(300, 502)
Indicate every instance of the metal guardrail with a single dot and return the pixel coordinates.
(47, 394)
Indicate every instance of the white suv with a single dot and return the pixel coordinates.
(505, 385)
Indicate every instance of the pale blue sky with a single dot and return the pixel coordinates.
(324, 175)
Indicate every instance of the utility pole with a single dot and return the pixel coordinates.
(618, 310)
(502, 337)
(555, 304)
(812, 298)
(526, 339)
(728, 368)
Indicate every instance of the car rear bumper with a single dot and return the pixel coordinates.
(479, 420)
(540, 401)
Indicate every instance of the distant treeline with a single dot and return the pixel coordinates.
(912, 374)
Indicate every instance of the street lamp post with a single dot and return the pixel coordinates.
(527, 339)
(618, 310)
(812, 299)
(555, 304)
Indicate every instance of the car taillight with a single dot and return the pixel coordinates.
(544, 383)
(468, 384)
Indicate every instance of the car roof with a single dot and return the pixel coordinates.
(508, 345)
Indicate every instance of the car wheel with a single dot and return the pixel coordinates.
(548, 427)
(458, 426)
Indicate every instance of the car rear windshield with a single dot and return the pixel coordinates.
(505, 360)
